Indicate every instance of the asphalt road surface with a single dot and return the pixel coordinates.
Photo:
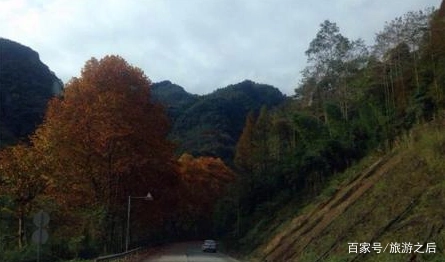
(187, 252)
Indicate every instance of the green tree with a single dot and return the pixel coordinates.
(434, 56)
(324, 53)
(261, 136)
(333, 59)
(397, 46)
(245, 146)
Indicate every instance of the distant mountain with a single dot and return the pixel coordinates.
(173, 97)
(211, 124)
(26, 85)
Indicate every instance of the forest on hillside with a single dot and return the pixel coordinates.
(104, 140)
(353, 100)
(210, 125)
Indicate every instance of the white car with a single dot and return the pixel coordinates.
(209, 246)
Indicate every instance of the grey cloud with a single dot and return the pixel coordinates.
(199, 44)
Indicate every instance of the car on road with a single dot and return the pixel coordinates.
(209, 246)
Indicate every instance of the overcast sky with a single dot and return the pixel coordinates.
(198, 44)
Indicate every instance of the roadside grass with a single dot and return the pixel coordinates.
(405, 205)
(283, 217)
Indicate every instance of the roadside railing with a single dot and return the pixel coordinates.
(116, 256)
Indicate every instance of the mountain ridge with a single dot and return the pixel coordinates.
(26, 85)
(211, 124)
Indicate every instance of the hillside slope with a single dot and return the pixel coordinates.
(397, 199)
(26, 85)
(173, 97)
(211, 124)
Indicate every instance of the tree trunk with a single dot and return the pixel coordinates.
(20, 232)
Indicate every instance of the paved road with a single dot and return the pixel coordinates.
(187, 252)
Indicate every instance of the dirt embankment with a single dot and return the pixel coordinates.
(303, 229)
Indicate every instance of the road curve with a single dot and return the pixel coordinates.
(187, 252)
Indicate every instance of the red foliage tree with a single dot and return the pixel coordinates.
(106, 141)
(205, 180)
(22, 180)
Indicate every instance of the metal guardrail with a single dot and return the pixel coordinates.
(116, 256)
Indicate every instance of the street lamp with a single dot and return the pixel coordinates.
(127, 239)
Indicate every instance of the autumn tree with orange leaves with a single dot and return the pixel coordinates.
(23, 180)
(107, 141)
(205, 180)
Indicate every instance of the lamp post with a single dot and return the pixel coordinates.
(127, 239)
